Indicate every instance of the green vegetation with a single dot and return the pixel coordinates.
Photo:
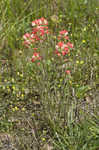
(51, 103)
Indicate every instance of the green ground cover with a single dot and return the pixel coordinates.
(51, 102)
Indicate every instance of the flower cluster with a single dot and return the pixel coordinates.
(39, 35)
(39, 32)
(63, 34)
(36, 56)
(63, 46)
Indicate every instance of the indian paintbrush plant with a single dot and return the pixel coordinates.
(49, 67)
